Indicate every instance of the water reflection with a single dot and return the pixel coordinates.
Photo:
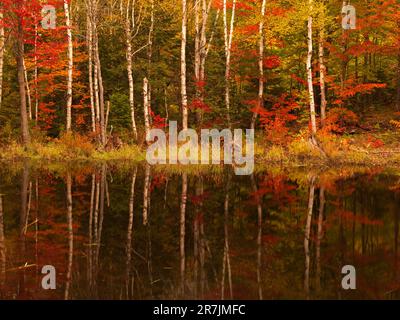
(143, 233)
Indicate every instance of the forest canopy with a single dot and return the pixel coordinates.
(110, 70)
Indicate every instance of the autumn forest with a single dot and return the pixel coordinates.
(83, 86)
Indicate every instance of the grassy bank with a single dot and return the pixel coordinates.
(337, 151)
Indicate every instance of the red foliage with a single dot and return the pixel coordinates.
(198, 104)
(337, 119)
(275, 120)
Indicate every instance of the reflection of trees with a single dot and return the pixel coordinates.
(129, 280)
(259, 236)
(307, 235)
(320, 234)
(70, 237)
(346, 221)
(226, 262)
(23, 225)
(96, 218)
(199, 241)
(182, 231)
(2, 246)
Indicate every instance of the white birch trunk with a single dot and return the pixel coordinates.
(228, 37)
(261, 79)
(70, 64)
(90, 66)
(322, 72)
(129, 59)
(183, 66)
(28, 92)
(36, 73)
(310, 74)
(146, 108)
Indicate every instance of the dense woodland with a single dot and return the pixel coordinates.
(112, 69)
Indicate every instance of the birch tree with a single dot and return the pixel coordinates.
(228, 37)
(184, 102)
(322, 67)
(202, 13)
(89, 38)
(132, 26)
(310, 74)
(261, 79)
(146, 108)
(99, 88)
(19, 55)
(70, 64)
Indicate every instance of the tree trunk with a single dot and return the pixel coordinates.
(322, 72)
(36, 72)
(228, 37)
(197, 55)
(146, 106)
(100, 84)
(310, 75)
(90, 67)
(19, 53)
(184, 98)
(129, 59)
(70, 64)
(28, 92)
(261, 79)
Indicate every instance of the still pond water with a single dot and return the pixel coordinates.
(122, 232)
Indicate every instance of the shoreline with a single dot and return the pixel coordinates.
(264, 156)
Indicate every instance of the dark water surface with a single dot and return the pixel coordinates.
(115, 232)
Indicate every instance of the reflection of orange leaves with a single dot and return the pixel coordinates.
(280, 189)
(157, 182)
(270, 239)
(197, 200)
